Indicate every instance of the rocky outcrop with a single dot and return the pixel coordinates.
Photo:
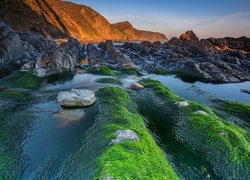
(210, 60)
(189, 36)
(133, 34)
(63, 58)
(57, 18)
(76, 98)
(18, 48)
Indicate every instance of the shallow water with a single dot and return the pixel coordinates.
(56, 133)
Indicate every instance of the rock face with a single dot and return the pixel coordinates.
(63, 58)
(57, 18)
(125, 136)
(18, 48)
(76, 98)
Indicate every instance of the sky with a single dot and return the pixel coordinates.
(207, 18)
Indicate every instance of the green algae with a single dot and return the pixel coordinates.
(238, 109)
(26, 80)
(131, 71)
(129, 160)
(98, 159)
(109, 81)
(225, 144)
(102, 70)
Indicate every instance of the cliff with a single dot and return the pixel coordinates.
(57, 18)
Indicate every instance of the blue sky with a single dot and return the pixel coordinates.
(216, 18)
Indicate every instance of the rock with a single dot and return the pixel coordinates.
(29, 65)
(174, 41)
(247, 91)
(76, 98)
(67, 117)
(183, 104)
(189, 36)
(136, 86)
(200, 112)
(156, 44)
(146, 43)
(125, 136)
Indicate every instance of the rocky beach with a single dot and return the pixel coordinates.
(83, 98)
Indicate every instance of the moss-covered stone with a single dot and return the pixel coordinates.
(131, 71)
(102, 70)
(24, 80)
(109, 81)
(129, 160)
(237, 109)
(226, 145)
(160, 71)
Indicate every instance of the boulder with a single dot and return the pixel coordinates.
(189, 36)
(136, 86)
(76, 98)
(125, 136)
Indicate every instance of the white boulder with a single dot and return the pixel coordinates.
(125, 136)
(76, 98)
(183, 104)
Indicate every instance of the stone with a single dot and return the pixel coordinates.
(67, 117)
(76, 98)
(189, 36)
(183, 104)
(125, 136)
(200, 112)
(136, 86)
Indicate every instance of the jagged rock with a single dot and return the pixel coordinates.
(76, 98)
(189, 36)
(174, 41)
(125, 136)
(136, 86)
(146, 44)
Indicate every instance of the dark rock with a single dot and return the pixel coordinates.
(189, 36)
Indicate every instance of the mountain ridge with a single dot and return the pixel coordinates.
(57, 18)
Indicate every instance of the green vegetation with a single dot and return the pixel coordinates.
(132, 71)
(129, 160)
(60, 77)
(103, 70)
(109, 81)
(14, 95)
(24, 80)
(240, 110)
(160, 71)
(221, 141)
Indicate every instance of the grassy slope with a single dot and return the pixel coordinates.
(219, 140)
